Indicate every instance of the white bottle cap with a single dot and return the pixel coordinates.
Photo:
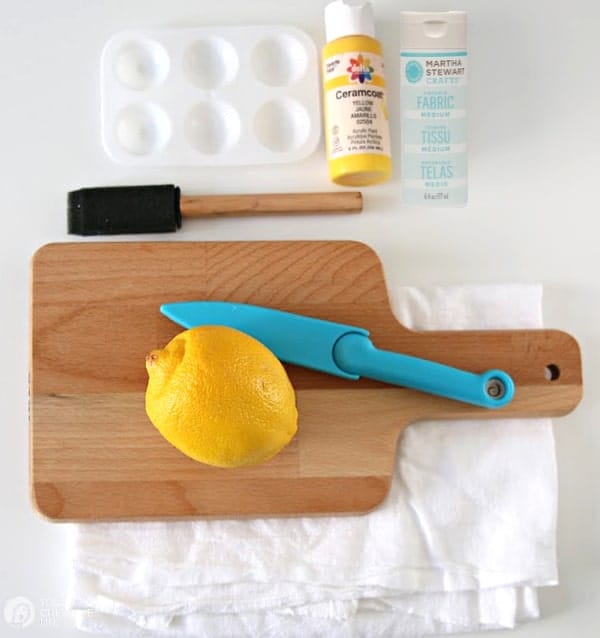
(344, 17)
(433, 30)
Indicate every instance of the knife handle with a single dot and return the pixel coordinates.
(355, 353)
(271, 203)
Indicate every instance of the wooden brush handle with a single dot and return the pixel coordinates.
(272, 203)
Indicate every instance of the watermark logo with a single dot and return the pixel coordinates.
(19, 612)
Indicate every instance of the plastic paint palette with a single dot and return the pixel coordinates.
(210, 96)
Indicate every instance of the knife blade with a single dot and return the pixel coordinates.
(344, 351)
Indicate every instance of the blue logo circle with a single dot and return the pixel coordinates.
(413, 71)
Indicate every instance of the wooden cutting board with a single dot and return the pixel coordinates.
(95, 315)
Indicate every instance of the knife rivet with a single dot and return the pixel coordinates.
(495, 389)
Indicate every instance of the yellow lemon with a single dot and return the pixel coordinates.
(220, 397)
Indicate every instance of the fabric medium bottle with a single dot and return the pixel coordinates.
(356, 117)
(433, 89)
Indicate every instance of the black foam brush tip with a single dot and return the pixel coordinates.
(118, 210)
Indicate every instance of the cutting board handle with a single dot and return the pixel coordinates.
(545, 366)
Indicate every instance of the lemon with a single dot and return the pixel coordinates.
(220, 397)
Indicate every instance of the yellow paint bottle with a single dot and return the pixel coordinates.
(357, 134)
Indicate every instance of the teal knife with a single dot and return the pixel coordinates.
(344, 351)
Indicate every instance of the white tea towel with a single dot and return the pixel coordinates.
(463, 540)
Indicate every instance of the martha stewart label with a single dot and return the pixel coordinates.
(433, 128)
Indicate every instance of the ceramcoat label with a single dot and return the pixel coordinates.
(355, 104)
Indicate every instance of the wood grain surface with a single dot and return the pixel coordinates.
(95, 315)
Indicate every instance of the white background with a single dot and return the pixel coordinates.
(534, 158)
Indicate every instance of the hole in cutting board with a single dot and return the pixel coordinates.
(552, 372)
